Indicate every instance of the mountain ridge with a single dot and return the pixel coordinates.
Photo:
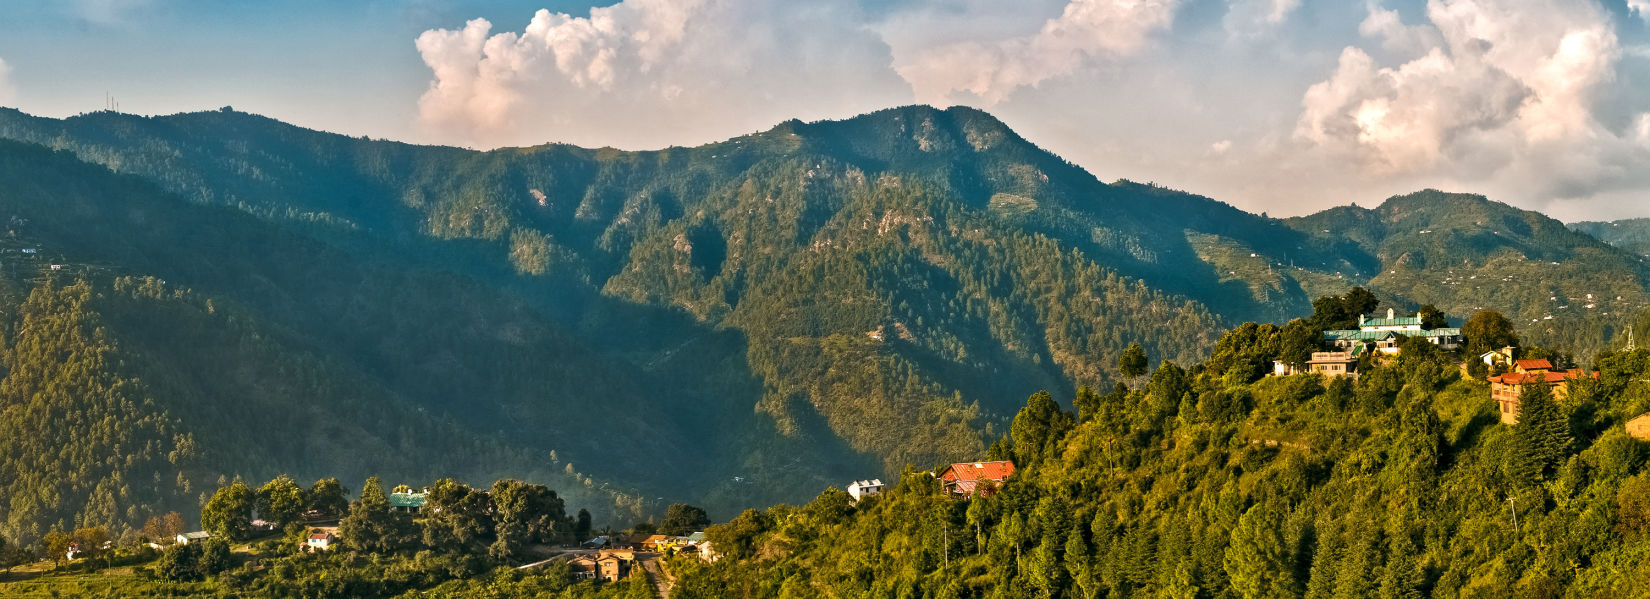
(807, 304)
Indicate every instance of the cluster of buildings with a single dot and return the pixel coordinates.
(608, 565)
(961, 480)
(1374, 334)
(1380, 336)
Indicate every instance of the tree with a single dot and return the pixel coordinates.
(56, 544)
(229, 513)
(329, 497)
(179, 563)
(1432, 317)
(162, 529)
(1543, 429)
(214, 557)
(1488, 330)
(581, 528)
(681, 519)
(90, 540)
(1081, 565)
(1258, 562)
(282, 501)
(1036, 426)
(456, 515)
(533, 511)
(370, 525)
(1133, 361)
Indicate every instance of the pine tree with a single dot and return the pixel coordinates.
(1543, 428)
(1258, 562)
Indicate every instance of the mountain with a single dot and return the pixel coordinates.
(735, 324)
(1631, 234)
(1465, 253)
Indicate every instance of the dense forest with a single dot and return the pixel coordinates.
(1631, 234)
(735, 324)
(1198, 483)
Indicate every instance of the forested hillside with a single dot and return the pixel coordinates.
(1464, 253)
(733, 324)
(1631, 234)
(1201, 484)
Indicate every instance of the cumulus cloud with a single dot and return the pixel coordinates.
(1086, 31)
(1504, 95)
(7, 94)
(644, 72)
(1641, 8)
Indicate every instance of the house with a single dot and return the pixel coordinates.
(696, 539)
(1384, 333)
(864, 488)
(584, 567)
(1335, 363)
(263, 525)
(1639, 428)
(600, 542)
(654, 543)
(73, 552)
(193, 537)
(963, 480)
(614, 565)
(1504, 388)
(408, 502)
(320, 541)
(1501, 357)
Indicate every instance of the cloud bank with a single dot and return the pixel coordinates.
(1264, 104)
(1501, 94)
(642, 73)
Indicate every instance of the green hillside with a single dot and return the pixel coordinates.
(1631, 234)
(734, 324)
(1465, 253)
(1402, 484)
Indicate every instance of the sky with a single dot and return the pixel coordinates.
(1277, 106)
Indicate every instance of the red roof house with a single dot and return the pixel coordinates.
(1504, 388)
(962, 480)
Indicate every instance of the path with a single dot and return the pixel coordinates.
(656, 576)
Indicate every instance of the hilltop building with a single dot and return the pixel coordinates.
(408, 502)
(962, 480)
(864, 488)
(1384, 333)
(1504, 388)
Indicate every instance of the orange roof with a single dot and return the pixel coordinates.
(973, 471)
(1549, 377)
(1541, 364)
(319, 535)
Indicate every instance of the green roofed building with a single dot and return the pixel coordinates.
(1383, 333)
(409, 502)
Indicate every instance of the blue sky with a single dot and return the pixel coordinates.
(1282, 106)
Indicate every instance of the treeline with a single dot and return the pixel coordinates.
(1401, 483)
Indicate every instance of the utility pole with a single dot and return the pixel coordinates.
(945, 542)
(1514, 502)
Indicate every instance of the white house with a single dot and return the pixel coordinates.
(864, 488)
(320, 541)
(193, 537)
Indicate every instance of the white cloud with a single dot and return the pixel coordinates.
(1087, 31)
(1504, 96)
(7, 94)
(642, 73)
(1384, 24)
